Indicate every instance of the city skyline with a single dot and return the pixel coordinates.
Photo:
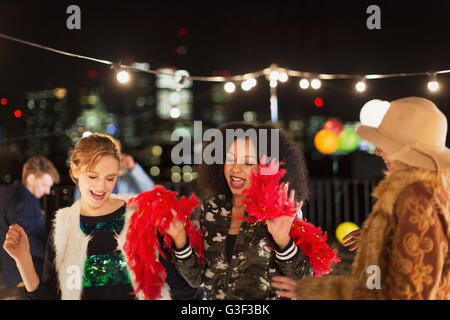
(209, 40)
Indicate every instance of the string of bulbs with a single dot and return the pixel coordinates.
(247, 81)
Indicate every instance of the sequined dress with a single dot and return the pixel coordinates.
(105, 274)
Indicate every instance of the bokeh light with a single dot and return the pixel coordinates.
(123, 77)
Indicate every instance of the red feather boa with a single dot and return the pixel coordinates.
(266, 199)
(154, 214)
(309, 238)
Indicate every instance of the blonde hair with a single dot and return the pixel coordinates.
(89, 150)
(39, 165)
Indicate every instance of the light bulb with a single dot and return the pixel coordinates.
(373, 112)
(433, 84)
(315, 84)
(229, 87)
(252, 82)
(283, 77)
(245, 85)
(360, 86)
(304, 84)
(123, 76)
(273, 75)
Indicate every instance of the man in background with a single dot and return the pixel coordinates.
(19, 204)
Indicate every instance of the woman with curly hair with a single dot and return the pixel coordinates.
(241, 257)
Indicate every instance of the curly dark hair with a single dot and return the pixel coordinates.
(212, 178)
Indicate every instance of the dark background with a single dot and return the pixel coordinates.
(232, 36)
(220, 37)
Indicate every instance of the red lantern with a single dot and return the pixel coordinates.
(318, 102)
(334, 125)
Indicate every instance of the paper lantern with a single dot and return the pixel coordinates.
(326, 141)
(348, 140)
(344, 229)
(334, 125)
(373, 112)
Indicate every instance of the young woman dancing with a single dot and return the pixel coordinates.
(241, 257)
(85, 257)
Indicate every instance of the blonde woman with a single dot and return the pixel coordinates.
(84, 258)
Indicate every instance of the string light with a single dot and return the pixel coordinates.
(245, 85)
(256, 74)
(248, 81)
(273, 83)
(302, 74)
(274, 75)
(252, 82)
(229, 87)
(248, 84)
(315, 84)
(123, 76)
(304, 84)
(283, 77)
(433, 84)
(361, 86)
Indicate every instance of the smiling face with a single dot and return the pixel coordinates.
(96, 185)
(241, 161)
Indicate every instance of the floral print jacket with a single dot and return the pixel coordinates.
(403, 250)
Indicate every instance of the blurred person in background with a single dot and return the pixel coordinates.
(20, 204)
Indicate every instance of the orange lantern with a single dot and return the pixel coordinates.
(326, 141)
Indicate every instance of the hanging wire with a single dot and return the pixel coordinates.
(236, 78)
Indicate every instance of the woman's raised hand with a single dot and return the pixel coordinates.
(176, 231)
(16, 243)
(279, 227)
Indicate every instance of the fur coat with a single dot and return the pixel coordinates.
(403, 249)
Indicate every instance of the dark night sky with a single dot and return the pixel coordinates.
(316, 36)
